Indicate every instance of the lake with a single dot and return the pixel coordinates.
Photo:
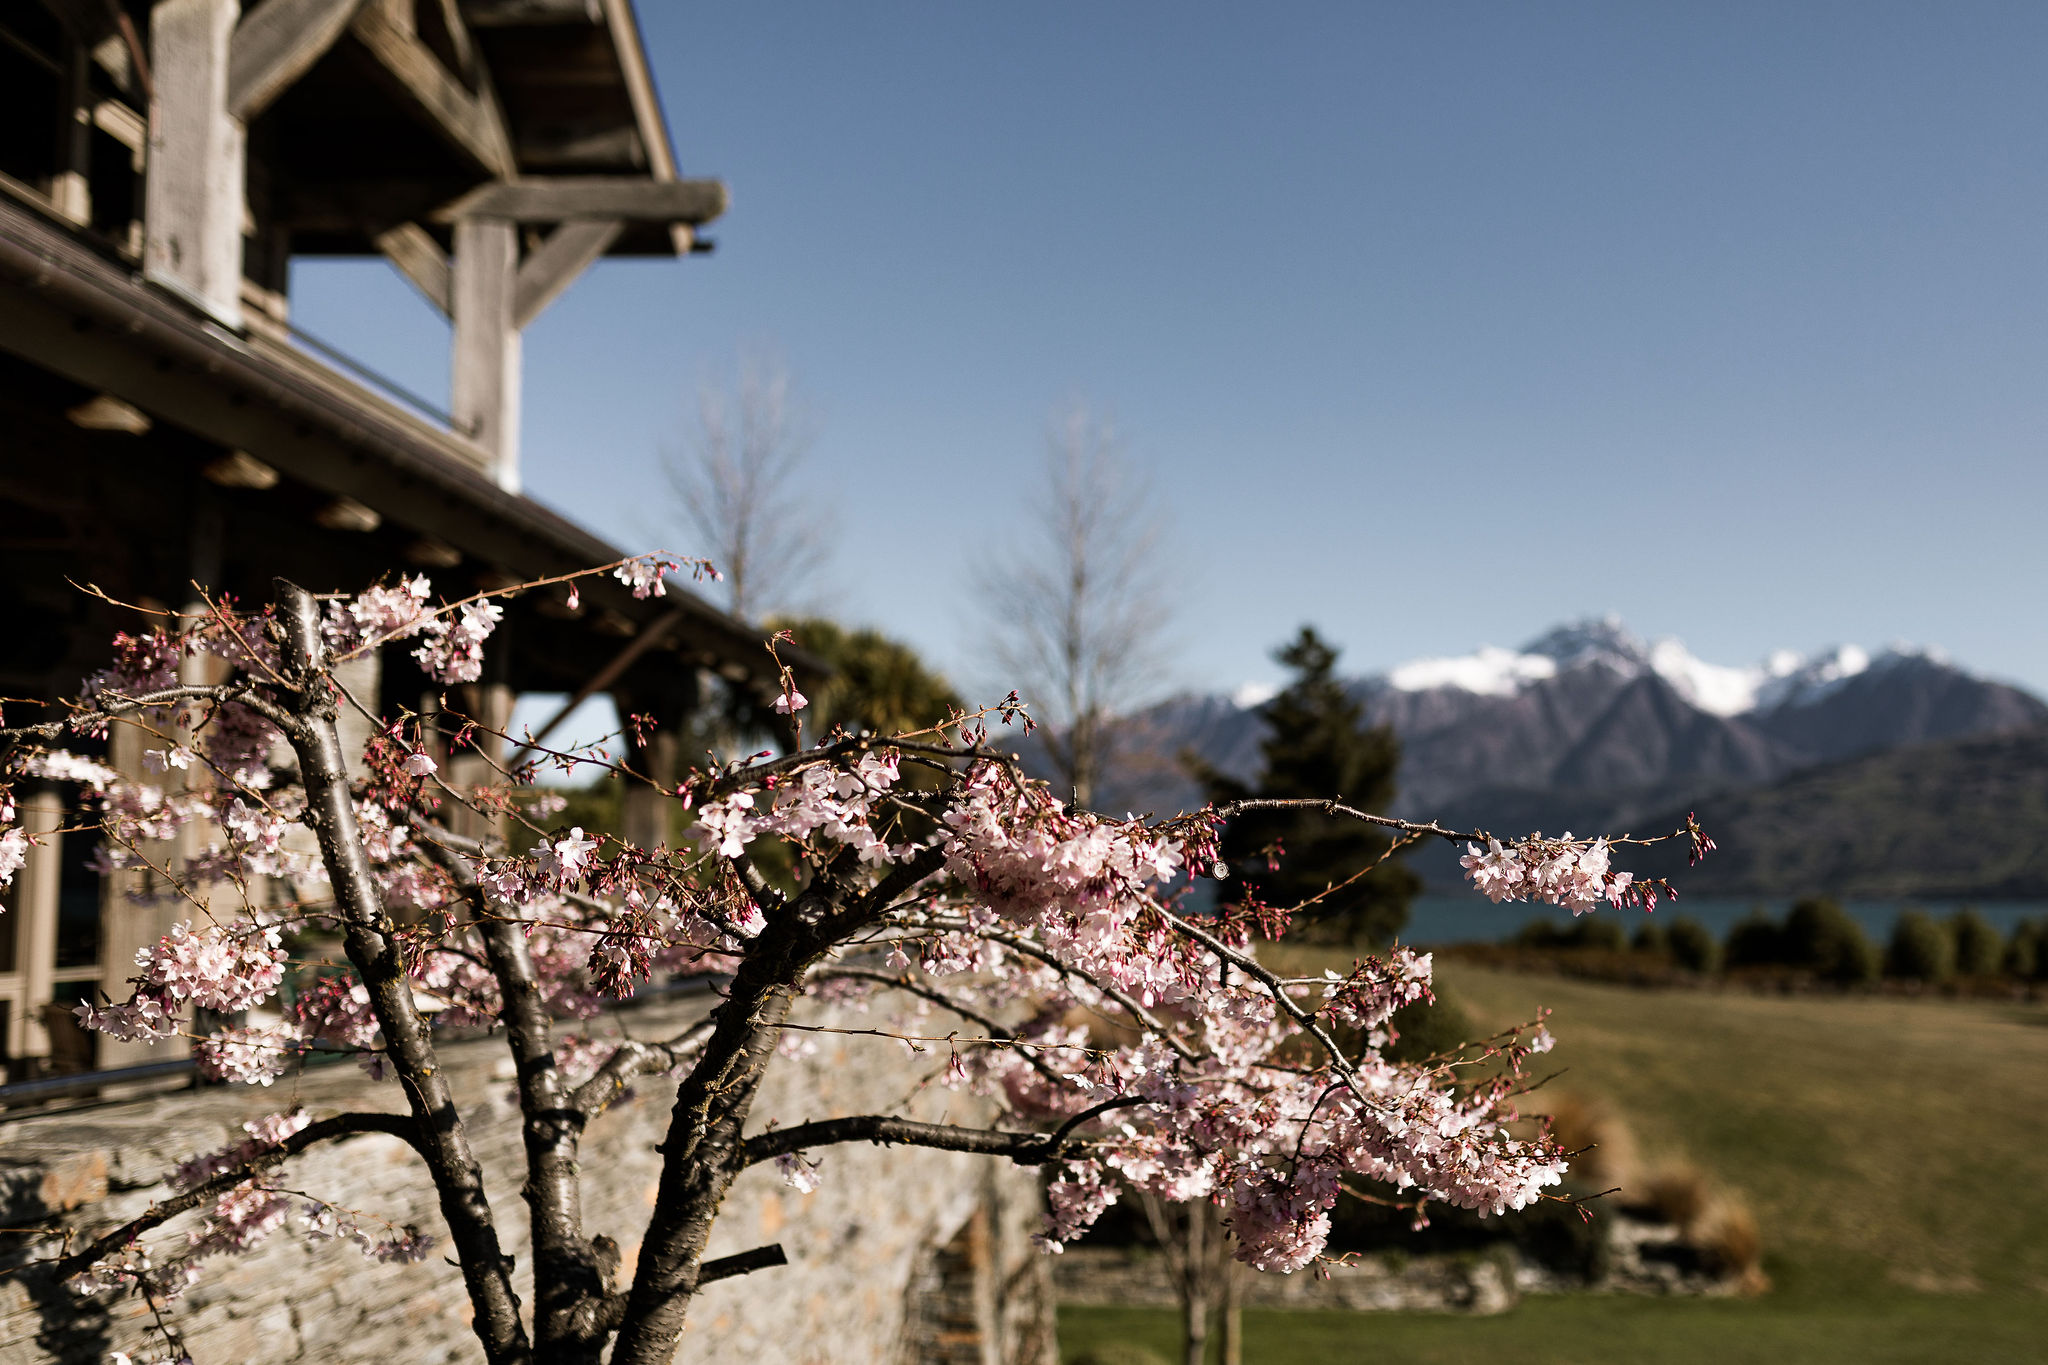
(1471, 918)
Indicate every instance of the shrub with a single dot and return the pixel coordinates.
(1920, 949)
(1676, 1195)
(1604, 1149)
(1590, 931)
(1979, 948)
(1729, 1243)
(1651, 938)
(1428, 1030)
(2024, 955)
(1759, 941)
(1692, 945)
(1822, 937)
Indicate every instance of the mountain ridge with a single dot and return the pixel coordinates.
(1588, 726)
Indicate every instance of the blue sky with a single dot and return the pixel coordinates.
(1434, 324)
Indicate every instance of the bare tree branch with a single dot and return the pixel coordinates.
(321, 1130)
(1078, 616)
(739, 485)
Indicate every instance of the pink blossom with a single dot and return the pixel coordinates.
(14, 845)
(421, 764)
(218, 968)
(567, 858)
(248, 1056)
(644, 575)
(790, 701)
(798, 1172)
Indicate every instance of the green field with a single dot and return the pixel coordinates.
(1895, 1152)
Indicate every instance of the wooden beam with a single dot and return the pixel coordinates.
(529, 13)
(625, 31)
(556, 199)
(588, 145)
(420, 259)
(569, 250)
(485, 370)
(650, 635)
(278, 42)
(195, 189)
(467, 122)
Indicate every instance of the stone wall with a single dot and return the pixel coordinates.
(903, 1256)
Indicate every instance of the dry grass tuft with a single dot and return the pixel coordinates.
(1606, 1148)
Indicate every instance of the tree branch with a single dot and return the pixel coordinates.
(568, 1285)
(367, 938)
(944, 1001)
(1026, 1149)
(745, 1263)
(340, 1126)
(633, 1058)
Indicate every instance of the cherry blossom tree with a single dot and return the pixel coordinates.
(1196, 1072)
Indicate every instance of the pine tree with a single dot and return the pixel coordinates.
(1317, 743)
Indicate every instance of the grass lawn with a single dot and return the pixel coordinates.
(1895, 1152)
(1907, 1329)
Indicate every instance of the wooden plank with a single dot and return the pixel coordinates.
(468, 124)
(556, 199)
(420, 259)
(529, 13)
(590, 145)
(278, 42)
(569, 250)
(485, 374)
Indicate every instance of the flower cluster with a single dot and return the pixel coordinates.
(832, 802)
(1573, 873)
(329, 1223)
(451, 638)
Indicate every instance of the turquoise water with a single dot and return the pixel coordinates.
(1472, 918)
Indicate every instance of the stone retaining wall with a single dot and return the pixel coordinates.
(902, 1256)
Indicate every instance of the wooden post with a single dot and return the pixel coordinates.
(491, 704)
(644, 812)
(36, 948)
(485, 377)
(197, 158)
(71, 190)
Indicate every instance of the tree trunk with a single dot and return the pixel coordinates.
(1230, 1318)
(1194, 1327)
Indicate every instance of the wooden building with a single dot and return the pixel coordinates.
(163, 424)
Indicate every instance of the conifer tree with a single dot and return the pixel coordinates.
(1317, 743)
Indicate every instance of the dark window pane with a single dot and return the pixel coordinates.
(72, 1048)
(78, 901)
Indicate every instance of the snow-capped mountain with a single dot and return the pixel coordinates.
(1588, 723)
(1786, 677)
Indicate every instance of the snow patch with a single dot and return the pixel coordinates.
(1714, 688)
(1784, 678)
(1491, 672)
(1253, 694)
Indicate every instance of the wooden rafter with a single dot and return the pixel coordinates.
(470, 122)
(278, 42)
(420, 259)
(569, 250)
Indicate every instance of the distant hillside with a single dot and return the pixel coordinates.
(1960, 818)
